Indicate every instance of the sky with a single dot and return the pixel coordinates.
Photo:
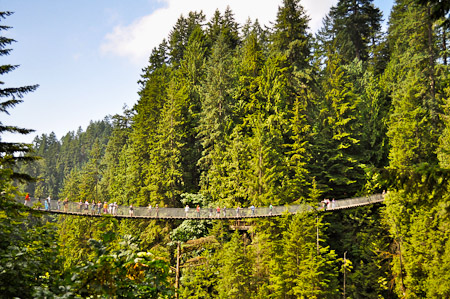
(87, 56)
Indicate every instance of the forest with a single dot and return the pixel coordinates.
(243, 114)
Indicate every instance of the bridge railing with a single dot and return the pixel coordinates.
(358, 201)
(204, 213)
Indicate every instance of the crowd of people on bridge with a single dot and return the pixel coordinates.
(86, 207)
(99, 208)
(218, 211)
(328, 204)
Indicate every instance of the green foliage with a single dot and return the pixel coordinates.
(307, 269)
(337, 156)
(180, 34)
(361, 233)
(166, 175)
(199, 268)
(126, 272)
(356, 25)
(444, 139)
(28, 251)
(200, 280)
(415, 208)
(268, 116)
(214, 122)
(290, 37)
(373, 111)
(235, 270)
(65, 158)
(223, 27)
(190, 229)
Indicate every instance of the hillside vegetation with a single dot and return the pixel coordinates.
(237, 115)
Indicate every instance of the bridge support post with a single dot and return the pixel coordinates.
(345, 268)
(177, 273)
(317, 234)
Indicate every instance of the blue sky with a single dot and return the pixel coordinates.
(87, 56)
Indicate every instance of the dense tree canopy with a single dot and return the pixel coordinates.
(233, 115)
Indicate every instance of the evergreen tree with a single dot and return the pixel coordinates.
(300, 133)
(265, 126)
(290, 36)
(373, 114)
(165, 172)
(363, 235)
(91, 175)
(180, 34)
(443, 153)
(260, 121)
(28, 251)
(415, 205)
(199, 260)
(267, 256)
(215, 117)
(12, 153)
(144, 123)
(29, 260)
(224, 27)
(353, 29)
(437, 10)
(235, 270)
(414, 96)
(111, 159)
(229, 168)
(306, 270)
(337, 154)
(230, 29)
(192, 72)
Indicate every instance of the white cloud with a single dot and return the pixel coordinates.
(136, 40)
(317, 9)
(76, 56)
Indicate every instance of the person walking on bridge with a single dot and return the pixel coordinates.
(94, 205)
(218, 212)
(131, 211)
(80, 206)
(149, 209)
(186, 210)
(86, 206)
(27, 200)
(198, 211)
(253, 210)
(65, 203)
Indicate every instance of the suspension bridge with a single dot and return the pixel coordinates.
(219, 213)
